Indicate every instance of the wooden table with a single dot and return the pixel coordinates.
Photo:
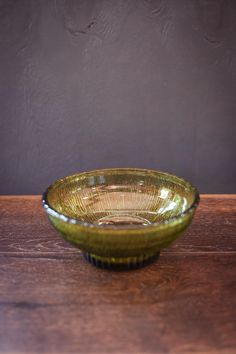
(52, 301)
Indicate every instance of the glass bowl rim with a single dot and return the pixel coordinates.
(53, 212)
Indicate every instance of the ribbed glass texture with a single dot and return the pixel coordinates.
(121, 217)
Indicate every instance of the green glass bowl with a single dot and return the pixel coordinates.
(121, 218)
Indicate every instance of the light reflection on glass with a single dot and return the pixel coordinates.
(184, 204)
(164, 193)
(169, 207)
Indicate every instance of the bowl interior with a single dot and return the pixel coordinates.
(121, 197)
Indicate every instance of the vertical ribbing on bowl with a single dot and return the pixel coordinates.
(123, 263)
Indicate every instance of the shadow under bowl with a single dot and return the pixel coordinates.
(121, 218)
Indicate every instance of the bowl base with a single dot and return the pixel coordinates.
(123, 220)
(124, 263)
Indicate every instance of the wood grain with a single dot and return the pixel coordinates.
(26, 231)
(52, 301)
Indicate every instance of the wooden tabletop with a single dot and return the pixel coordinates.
(53, 301)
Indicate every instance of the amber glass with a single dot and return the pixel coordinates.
(121, 218)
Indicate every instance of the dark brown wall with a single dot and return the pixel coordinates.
(93, 84)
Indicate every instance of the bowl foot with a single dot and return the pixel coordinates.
(126, 263)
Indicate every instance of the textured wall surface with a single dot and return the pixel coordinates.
(94, 84)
